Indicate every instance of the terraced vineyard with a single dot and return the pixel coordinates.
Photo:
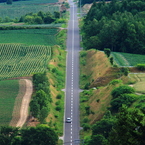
(20, 60)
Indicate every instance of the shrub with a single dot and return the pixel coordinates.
(87, 86)
(87, 110)
(83, 53)
(86, 126)
(56, 116)
(111, 60)
(107, 51)
(54, 70)
(141, 67)
(85, 120)
(115, 81)
(57, 103)
(59, 96)
(126, 99)
(122, 90)
(58, 108)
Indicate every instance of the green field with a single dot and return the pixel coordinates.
(128, 59)
(20, 60)
(19, 8)
(8, 92)
(29, 36)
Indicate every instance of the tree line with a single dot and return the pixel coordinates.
(118, 25)
(37, 18)
(39, 105)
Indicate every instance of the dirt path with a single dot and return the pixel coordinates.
(25, 104)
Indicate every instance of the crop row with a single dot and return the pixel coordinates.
(20, 60)
(128, 59)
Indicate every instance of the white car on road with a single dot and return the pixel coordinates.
(68, 120)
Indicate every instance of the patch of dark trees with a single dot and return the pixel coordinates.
(40, 135)
(39, 105)
(118, 25)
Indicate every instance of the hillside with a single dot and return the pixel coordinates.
(99, 79)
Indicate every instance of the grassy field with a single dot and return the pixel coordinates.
(29, 36)
(19, 8)
(20, 60)
(128, 59)
(8, 92)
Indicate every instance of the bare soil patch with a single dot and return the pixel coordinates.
(20, 112)
(18, 101)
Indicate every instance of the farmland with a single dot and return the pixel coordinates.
(8, 93)
(140, 82)
(19, 8)
(128, 59)
(29, 36)
(20, 60)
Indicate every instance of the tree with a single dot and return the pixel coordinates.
(126, 99)
(103, 127)
(9, 2)
(41, 98)
(40, 135)
(111, 60)
(35, 108)
(48, 19)
(57, 14)
(124, 89)
(43, 114)
(98, 140)
(129, 128)
(107, 51)
(8, 135)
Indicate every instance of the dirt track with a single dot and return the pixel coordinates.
(25, 104)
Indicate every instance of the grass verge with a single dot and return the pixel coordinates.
(57, 83)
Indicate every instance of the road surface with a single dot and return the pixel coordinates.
(71, 130)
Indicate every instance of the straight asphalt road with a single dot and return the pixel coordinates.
(71, 130)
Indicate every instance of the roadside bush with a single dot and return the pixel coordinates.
(59, 96)
(83, 53)
(57, 103)
(58, 108)
(87, 110)
(85, 120)
(86, 126)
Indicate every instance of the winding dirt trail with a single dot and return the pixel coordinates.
(25, 103)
